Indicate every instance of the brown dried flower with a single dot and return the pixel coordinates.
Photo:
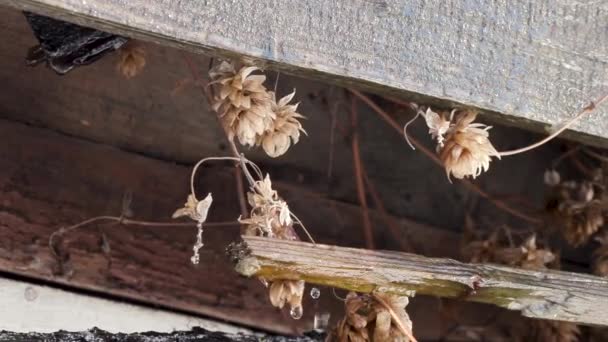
(196, 210)
(132, 59)
(577, 209)
(288, 291)
(557, 331)
(527, 256)
(481, 251)
(466, 150)
(270, 217)
(377, 317)
(285, 128)
(243, 103)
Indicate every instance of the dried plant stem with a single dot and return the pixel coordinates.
(367, 224)
(585, 110)
(333, 116)
(209, 96)
(388, 119)
(597, 156)
(400, 325)
(240, 190)
(407, 138)
(130, 222)
(555, 163)
(238, 156)
(201, 162)
(388, 220)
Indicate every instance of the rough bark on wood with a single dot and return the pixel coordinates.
(537, 61)
(552, 295)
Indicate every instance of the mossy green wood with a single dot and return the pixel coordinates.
(546, 294)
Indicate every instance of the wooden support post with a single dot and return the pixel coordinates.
(552, 295)
(537, 62)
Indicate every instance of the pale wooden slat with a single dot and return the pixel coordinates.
(536, 61)
(549, 294)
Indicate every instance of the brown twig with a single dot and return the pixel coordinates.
(367, 224)
(240, 190)
(555, 163)
(130, 222)
(333, 113)
(388, 219)
(388, 119)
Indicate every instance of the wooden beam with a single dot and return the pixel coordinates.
(552, 295)
(49, 180)
(537, 62)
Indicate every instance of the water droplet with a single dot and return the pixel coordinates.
(315, 293)
(296, 312)
(321, 321)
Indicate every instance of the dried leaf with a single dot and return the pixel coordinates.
(438, 125)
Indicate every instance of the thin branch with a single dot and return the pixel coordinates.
(388, 119)
(240, 190)
(595, 155)
(333, 113)
(130, 222)
(388, 219)
(555, 163)
(367, 224)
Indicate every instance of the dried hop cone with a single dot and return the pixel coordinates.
(467, 150)
(290, 292)
(547, 330)
(285, 128)
(527, 256)
(132, 59)
(464, 147)
(578, 210)
(582, 225)
(243, 103)
(270, 215)
(369, 318)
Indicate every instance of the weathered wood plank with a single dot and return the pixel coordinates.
(536, 61)
(161, 114)
(49, 180)
(552, 295)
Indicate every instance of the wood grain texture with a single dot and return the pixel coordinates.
(161, 114)
(49, 180)
(535, 61)
(552, 295)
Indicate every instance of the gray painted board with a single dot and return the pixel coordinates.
(537, 62)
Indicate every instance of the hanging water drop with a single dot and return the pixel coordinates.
(315, 293)
(296, 312)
